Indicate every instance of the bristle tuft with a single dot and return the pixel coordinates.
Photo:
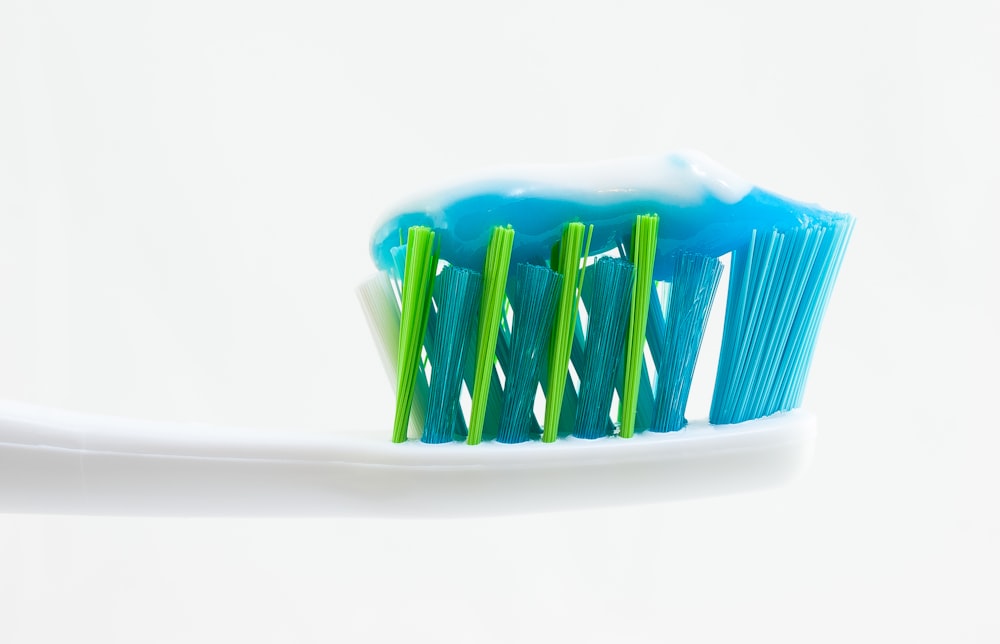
(533, 299)
(457, 294)
(418, 283)
(692, 291)
(779, 285)
(566, 258)
(643, 254)
(608, 320)
(490, 312)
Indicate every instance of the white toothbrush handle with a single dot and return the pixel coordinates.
(60, 462)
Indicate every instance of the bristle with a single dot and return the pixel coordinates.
(533, 299)
(567, 258)
(418, 283)
(643, 254)
(654, 324)
(494, 291)
(654, 338)
(457, 292)
(692, 290)
(567, 410)
(779, 285)
(816, 295)
(567, 423)
(605, 342)
(381, 309)
(494, 401)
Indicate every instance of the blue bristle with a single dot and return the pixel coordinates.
(779, 284)
(692, 290)
(608, 321)
(457, 295)
(533, 296)
(656, 325)
(817, 293)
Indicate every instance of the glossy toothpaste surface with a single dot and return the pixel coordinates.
(703, 208)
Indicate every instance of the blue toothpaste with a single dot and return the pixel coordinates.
(703, 208)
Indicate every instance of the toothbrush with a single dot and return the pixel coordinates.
(518, 280)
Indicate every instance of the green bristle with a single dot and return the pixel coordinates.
(533, 299)
(643, 254)
(418, 283)
(692, 290)
(494, 291)
(654, 332)
(608, 319)
(381, 308)
(566, 259)
(644, 406)
(567, 411)
(567, 420)
(457, 295)
(494, 400)
(422, 389)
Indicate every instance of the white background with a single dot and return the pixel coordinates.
(186, 191)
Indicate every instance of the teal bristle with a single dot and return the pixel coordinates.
(533, 299)
(692, 290)
(457, 296)
(656, 331)
(430, 344)
(578, 360)
(779, 285)
(603, 353)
